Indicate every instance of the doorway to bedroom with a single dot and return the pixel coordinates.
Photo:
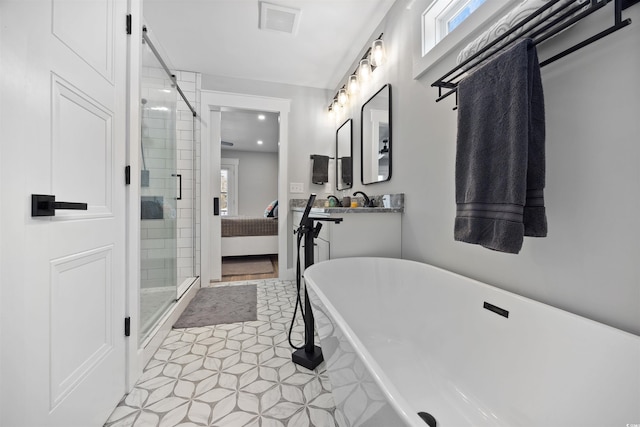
(249, 193)
(212, 104)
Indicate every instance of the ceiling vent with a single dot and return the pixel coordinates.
(279, 18)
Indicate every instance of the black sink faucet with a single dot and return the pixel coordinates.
(367, 201)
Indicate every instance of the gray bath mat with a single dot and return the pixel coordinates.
(218, 305)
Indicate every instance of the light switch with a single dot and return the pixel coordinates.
(296, 187)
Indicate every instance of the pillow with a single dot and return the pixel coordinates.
(272, 210)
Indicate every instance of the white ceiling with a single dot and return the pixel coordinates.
(244, 128)
(221, 37)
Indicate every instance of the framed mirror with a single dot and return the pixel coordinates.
(344, 159)
(376, 137)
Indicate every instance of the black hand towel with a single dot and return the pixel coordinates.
(347, 171)
(320, 172)
(500, 160)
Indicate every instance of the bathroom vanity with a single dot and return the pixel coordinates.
(364, 231)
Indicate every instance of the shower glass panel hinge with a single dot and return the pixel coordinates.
(127, 326)
(129, 24)
(127, 175)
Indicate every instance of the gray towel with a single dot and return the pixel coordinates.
(500, 160)
(320, 172)
(347, 172)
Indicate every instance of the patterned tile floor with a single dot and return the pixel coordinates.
(232, 375)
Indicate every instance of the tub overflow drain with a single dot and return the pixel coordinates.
(428, 418)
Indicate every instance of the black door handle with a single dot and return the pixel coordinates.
(216, 206)
(180, 185)
(46, 205)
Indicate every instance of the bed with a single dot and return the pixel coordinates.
(243, 235)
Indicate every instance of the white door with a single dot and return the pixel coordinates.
(216, 226)
(63, 277)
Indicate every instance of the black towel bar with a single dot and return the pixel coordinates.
(557, 21)
(332, 158)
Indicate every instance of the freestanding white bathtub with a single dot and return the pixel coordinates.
(401, 337)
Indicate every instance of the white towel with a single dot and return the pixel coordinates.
(520, 12)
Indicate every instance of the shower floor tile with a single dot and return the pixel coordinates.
(232, 375)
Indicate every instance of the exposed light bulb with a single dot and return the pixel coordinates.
(260, 142)
(377, 53)
(352, 85)
(261, 117)
(364, 70)
(343, 98)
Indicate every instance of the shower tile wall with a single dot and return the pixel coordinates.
(156, 260)
(189, 82)
(157, 240)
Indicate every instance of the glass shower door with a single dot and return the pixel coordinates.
(159, 193)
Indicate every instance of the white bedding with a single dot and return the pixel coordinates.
(249, 245)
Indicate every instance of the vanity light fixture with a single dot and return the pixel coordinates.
(335, 109)
(374, 57)
(352, 85)
(343, 98)
(378, 54)
(336, 106)
(364, 70)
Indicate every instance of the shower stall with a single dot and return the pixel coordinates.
(168, 199)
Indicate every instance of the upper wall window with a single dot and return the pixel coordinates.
(446, 26)
(459, 15)
(442, 17)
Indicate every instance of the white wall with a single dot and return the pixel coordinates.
(257, 180)
(589, 263)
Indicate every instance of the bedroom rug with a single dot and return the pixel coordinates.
(218, 305)
(246, 266)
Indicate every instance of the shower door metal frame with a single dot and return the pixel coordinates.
(145, 37)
